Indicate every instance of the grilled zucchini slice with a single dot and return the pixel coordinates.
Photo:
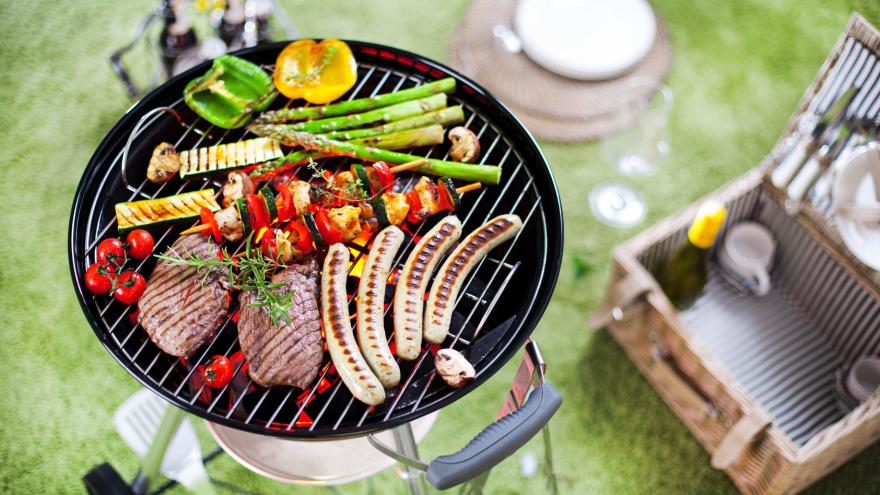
(150, 213)
(222, 158)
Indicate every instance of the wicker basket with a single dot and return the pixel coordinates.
(753, 378)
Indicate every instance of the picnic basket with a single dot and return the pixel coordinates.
(754, 378)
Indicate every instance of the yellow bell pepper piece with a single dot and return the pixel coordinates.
(317, 72)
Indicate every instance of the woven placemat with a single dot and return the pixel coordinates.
(553, 107)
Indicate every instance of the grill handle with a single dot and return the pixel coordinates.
(497, 441)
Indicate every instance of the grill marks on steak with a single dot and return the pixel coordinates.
(287, 354)
(180, 308)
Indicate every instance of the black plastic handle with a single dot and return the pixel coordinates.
(497, 442)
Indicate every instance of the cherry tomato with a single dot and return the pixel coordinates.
(140, 244)
(111, 250)
(217, 372)
(133, 316)
(129, 287)
(99, 277)
(329, 233)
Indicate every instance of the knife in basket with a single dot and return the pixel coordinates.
(807, 145)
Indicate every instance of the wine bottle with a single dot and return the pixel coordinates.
(684, 274)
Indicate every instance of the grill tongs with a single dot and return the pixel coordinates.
(527, 409)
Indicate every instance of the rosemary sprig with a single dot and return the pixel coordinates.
(250, 271)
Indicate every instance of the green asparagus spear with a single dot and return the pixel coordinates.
(387, 114)
(412, 138)
(488, 174)
(360, 105)
(444, 117)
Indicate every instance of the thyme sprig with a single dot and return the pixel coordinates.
(250, 271)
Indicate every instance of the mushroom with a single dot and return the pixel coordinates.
(237, 185)
(465, 145)
(454, 368)
(164, 163)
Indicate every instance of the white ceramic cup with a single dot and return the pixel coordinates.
(747, 252)
(863, 378)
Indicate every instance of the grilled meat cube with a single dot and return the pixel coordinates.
(229, 222)
(301, 192)
(346, 219)
(289, 354)
(427, 192)
(396, 208)
(181, 308)
(237, 185)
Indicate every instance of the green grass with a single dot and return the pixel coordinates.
(740, 68)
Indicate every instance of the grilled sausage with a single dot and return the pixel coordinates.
(371, 306)
(350, 365)
(455, 269)
(412, 283)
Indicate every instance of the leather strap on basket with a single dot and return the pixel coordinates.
(622, 293)
(740, 437)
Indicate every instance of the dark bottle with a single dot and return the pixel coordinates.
(684, 275)
(177, 36)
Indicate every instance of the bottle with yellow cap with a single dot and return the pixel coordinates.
(685, 273)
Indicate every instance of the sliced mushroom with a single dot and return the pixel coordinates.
(454, 368)
(237, 185)
(229, 223)
(164, 163)
(465, 145)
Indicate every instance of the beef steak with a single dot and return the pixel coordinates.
(180, 308)
(290, 353)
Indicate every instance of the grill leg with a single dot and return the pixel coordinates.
(406, 444)
(153, 460)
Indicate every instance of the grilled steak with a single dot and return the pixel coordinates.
(180, 308)
(287, 354)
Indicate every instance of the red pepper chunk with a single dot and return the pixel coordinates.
(415, 205)
(444, 198)
(331, 234)
(207, 217)
(304, 238)
(383, 172)
(258, 214)
(286, 209)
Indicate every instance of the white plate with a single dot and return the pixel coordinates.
(854, 185)
(586, 39)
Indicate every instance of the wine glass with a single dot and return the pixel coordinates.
(635, 151)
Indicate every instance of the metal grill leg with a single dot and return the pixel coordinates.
(153, 460)
(406, 445)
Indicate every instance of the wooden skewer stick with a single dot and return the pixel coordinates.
(408, 166)
(198, 228)
(470, 187)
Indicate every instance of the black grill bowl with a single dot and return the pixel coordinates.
(505, 296)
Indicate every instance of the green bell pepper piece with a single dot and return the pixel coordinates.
(231, 92)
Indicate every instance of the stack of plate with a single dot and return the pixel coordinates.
(566, 70)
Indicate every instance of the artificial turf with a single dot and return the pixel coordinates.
(740, 67)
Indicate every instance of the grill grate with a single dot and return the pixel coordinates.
(482, 318)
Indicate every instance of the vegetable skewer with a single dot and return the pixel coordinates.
(322, 223)
(489, 174)
(359, 105)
